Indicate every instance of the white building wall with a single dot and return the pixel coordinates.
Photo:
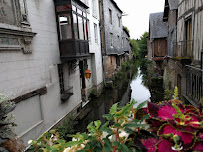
(23, 73)
(95, 62)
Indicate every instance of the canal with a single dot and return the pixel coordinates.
(126, 87)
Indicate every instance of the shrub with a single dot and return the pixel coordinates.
(8, 139)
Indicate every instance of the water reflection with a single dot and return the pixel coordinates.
(129, 86)
(140, 93)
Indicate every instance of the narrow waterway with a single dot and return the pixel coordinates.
(140, 92)
(124, 90)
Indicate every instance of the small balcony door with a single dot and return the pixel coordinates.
(188, 24)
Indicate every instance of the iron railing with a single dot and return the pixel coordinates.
(183, 49)
(194, 86)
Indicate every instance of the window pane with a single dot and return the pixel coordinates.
(79, 11)
(95, 33)
(73, 8)
(65, 26)
(75, 26)
(85, 28)
(88, 30)
(110, 16)
(80, 27)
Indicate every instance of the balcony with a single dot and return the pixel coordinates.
(72, 49)
(72, 29)
(194, 85)
(183, 50)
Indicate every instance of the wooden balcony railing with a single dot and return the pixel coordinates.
(183, 49)
(72, 49)
(194, 85)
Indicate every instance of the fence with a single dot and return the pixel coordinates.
(194, 85)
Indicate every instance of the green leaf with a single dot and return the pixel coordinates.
(124, 148)
(71, 143)
(113, 109)
(126, 109)
(108, 116)
(106, 129)
(141, 105)
(134, 125)
(116, 143)
(144, 117)
(117, 125)
(91, 128)
(128, 130)
(107, 145)
(97, 124)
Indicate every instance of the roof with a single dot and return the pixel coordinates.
(115, 4)
(158, 28)
(124, 29)
(173, 4)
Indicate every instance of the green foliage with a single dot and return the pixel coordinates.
(175, 97)
(67, 127)
(127, 126)
(99, 138)
(168, 94)
(6, 120)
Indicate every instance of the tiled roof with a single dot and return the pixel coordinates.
(158, 28)
(173, 4)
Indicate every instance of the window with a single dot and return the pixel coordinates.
(94, 7)
(188, 25)
(110, 16)
(88, 29)
(61, 78)
(68, 30)
(111, 58)
(123, 41)
(23, 11)
(80, 28)
(118, 40)
(13, 14)
(95, 33)
(119, 21)
(111, 39)
(75, 25)
(65, 26)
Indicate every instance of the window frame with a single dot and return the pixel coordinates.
(61, 78)
(110, 16)
(111, 39)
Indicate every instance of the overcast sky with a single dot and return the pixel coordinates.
(138, 12)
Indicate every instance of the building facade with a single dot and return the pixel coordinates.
(111, 37)
(45, 50)
(157, 41)
(170, 16)
(183, 64)
(188, 50)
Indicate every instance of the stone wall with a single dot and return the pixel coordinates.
(113, 28)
